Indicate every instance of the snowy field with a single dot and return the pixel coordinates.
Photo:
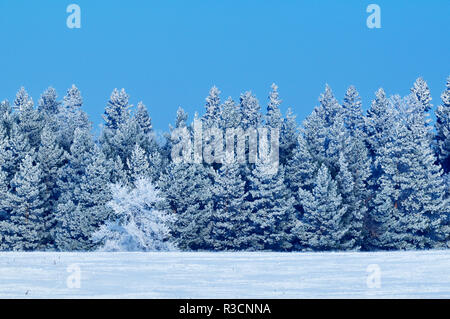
(225, 275)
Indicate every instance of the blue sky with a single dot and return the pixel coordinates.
(169, 53)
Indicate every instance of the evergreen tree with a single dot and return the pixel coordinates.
(6, 117)
(48, 103)
(22, 99)
(7, 164)
(122, 132)
(421, 91)
(250, 109)
(270, 208)
(25, 227)
(378, 125)
(273, 115)
(230, 116)
(51, 158)
(119, 133)
(377, 121)
(443, 129)
(17, 147)
(354, 167)
(353, 199)
(322, 225)
(212, 138)
(145, 136)
(29, 120)
(118, 173)
(79, 157)
(312, 147)
(121, 143)
(288, 137)
(181, 119)
(117, 111)
(323, 139)
(71, 231)
(156, 165)
(231, 226)
(70, 117)
(83, 207)
(352, 106)
(447, 186)
(213, 111)
(138, 164)
(301, 170)
(324, 129)
(287, 127)
(173, 137)
(48, 108)
(95, 193)
(143, 119)
(187, 191)
(4, 191)
(409, 210)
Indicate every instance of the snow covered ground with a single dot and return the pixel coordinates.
(225, 275)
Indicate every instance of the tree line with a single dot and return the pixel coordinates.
(347, 179)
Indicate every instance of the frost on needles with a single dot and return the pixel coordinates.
(346, 179)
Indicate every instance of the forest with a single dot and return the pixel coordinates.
(346, 178)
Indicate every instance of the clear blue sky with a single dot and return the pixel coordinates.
(169, 53)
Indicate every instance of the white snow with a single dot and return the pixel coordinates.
(424, 274)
